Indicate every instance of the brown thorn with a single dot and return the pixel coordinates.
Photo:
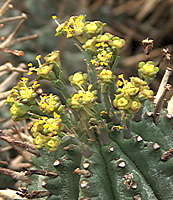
(167, 155)
(41, 172)
(82, 172)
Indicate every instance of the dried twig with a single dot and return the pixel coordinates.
(10, 80)
(25, 146)
(15, 175)
(159, 103)
(5, 7)
(163, 84)
(9, 19)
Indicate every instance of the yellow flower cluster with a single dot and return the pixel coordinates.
(46, 70)
(21, 97)
(106, 76)
(47, 132)
(131, 94)
(103, 47)
(147, 70)
(106, 40)
(83, 98)
(52, 57)
(77, 26)
(102, 59)
(50, 103)
(23, 92)
(78, 78)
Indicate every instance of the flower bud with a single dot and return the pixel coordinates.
(138, 82)
(105, 37)
(121, 102)
(106, 76)
(53, 57)
(40, 140)
(147, 70)
(145, 94)
(52, 143)
(78, 78)
(135, 105)
(90, 44)
(117, 42)
(94, 27)
(46, 71)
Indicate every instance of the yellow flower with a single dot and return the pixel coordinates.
(121, 102)
(117, 42)
(104, 37)
(91, 27)
(40, 140)
(54, 56)
(106, 75)
(119, 83)
(52, 126)
(129, 89)
(145, 94)
(90, 44)
(104, 56)
(138, 82)
(94, 27)
(49, 103)
(26, 93)
(73, 27)
(119, 127)
(44, 70)
(83, 98)
(78, 78)
(52, 144)
(88, 97)
(147, 70)
(135, 105)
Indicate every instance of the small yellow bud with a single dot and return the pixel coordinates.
(53, 57)
(78, 78)
(54, 17)
(91, 27)
(147, 70)
(52, 144)
(117, 42)
(106, 75)
(44, 70)
(135, 106)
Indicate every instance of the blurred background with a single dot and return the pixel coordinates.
(133, 20)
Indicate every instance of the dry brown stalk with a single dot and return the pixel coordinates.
(15, 175)
(15, 144)
(5, 7)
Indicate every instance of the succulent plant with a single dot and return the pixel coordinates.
(105, 139)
